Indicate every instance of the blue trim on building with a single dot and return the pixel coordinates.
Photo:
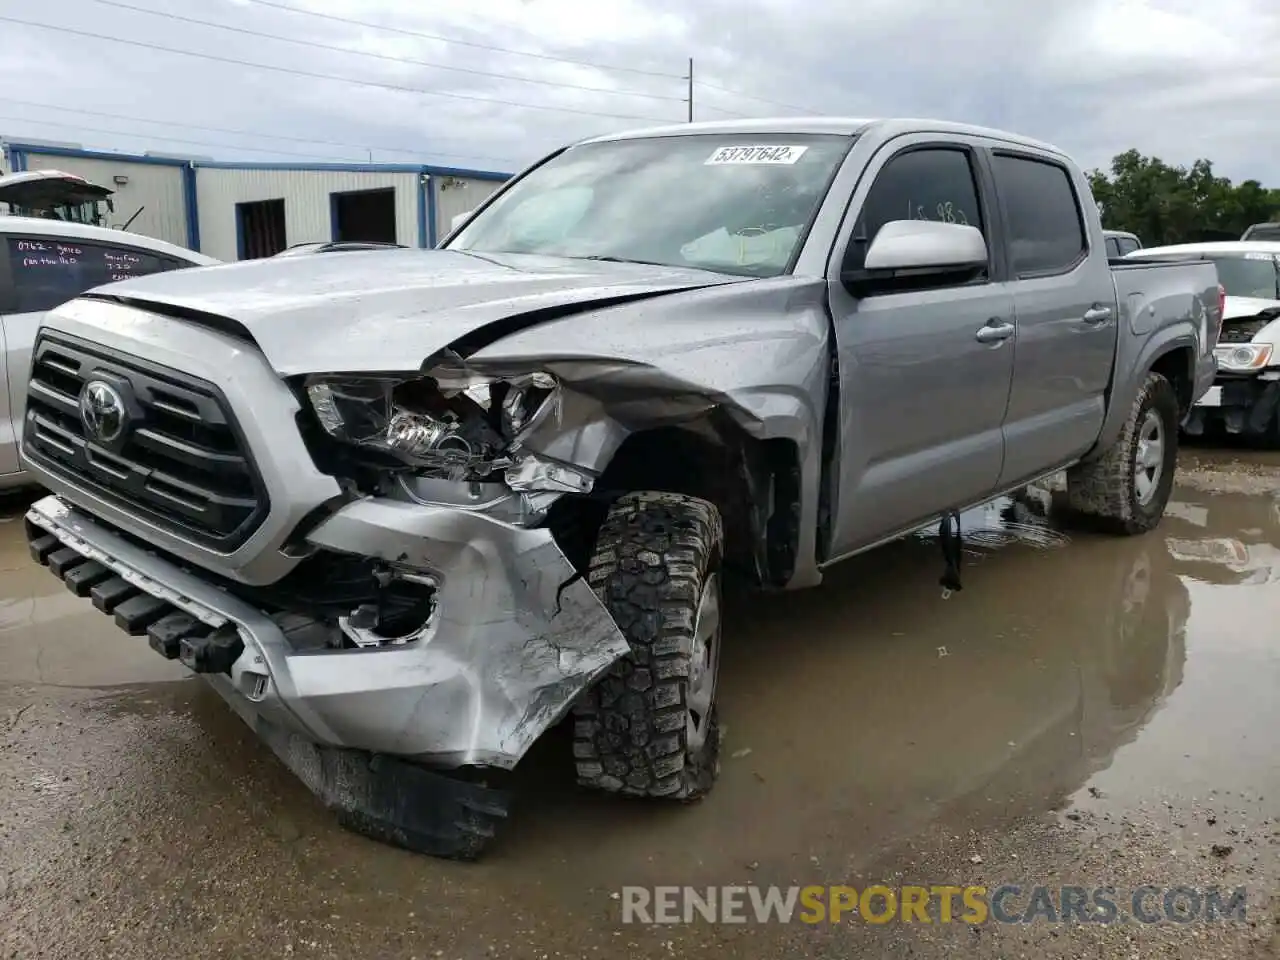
(357, 168)
(192, 205)
(468, 174)
(426, 211)
(236, 212)
(329, 167)
(97, 155)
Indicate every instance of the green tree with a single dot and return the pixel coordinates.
(1167, 204)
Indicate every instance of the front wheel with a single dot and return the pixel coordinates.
(1128, 487)
(648, 727)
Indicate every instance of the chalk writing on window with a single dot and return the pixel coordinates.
(945, 212)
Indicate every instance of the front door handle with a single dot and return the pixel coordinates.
(1097, 315)
(995, 331)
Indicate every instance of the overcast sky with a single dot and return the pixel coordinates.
(1179, 79)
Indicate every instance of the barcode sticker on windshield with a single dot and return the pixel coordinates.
(762, 153)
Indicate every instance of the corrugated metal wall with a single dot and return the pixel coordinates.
(455, 195)
(306, 195)
(156, 187)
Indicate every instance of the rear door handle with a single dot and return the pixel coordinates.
(1097, 315)
(995, 331)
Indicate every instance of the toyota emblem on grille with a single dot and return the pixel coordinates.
(102, 411)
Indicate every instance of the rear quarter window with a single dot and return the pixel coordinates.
(1045, 227)
(47, 271)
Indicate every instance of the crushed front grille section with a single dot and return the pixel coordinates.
(153, 441)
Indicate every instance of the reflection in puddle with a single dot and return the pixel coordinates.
(1022, 519)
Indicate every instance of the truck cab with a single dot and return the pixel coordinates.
(1120, 243)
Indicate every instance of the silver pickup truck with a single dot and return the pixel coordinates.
(407, 510)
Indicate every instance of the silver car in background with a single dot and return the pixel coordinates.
(43, 263)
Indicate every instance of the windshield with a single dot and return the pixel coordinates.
(88, 212)
(1249, 276)
(733, 204)
(1263, 231)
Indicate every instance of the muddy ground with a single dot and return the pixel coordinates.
(1087, 711)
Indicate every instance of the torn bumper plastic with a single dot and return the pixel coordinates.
(514, 639)
(1249, 406)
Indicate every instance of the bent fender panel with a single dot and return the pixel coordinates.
(756, 353)
(1132, 375)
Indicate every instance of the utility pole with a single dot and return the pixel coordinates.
(690, 100)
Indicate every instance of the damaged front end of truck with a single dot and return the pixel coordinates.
(383, 572)
(1245, 398)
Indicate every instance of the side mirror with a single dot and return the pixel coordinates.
(459, 220)
(921, 249)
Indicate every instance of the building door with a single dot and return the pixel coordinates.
(367, 216)
(260, 229)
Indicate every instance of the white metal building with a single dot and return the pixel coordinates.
(236, 211)
(150, 191)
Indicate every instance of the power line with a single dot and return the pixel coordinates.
(751, 96)
(383, 56)
(519, 53)
(728, 113)
(197, 143)
(326, 76)
(461, 43)
(252, 133)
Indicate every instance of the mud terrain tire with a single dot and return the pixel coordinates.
(656, 567)
(1109, 490)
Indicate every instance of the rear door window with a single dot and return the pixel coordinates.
(1128, 245)
(1046, 229)
(48, 271)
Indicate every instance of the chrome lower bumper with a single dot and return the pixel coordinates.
(513, 641)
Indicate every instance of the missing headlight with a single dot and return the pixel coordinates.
(450, 424)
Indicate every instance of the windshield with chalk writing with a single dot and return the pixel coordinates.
(736, 205)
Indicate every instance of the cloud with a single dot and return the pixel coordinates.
(1172, 78)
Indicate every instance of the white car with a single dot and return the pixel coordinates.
(44, 263)
(1245, 397)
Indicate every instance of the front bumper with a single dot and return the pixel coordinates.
(514, 639)
(1246, 405)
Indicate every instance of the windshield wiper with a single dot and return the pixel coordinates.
(647, 263)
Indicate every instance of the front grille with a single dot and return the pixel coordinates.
(180, 461)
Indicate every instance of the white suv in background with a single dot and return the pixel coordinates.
(44, 263)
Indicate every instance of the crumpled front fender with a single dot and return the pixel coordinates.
(516, 636)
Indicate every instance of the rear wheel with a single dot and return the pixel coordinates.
(1128, 487)
(649, 727)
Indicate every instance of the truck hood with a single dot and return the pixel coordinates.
(1237, 307)
(387, 311)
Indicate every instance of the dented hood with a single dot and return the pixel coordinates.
(391, 310)
(1234, 308)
